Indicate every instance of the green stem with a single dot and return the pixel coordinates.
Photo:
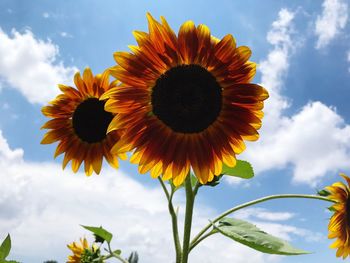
(198, 238)
(113, 255)
(173, 221)
(188, 218)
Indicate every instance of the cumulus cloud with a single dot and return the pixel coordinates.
(42, 207)
(330, 23)
(31, 66)
(313, 142)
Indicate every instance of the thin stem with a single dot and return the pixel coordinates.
(173, 215)
(198, 238)
(164, 188)
(188, 219)
(114, 255)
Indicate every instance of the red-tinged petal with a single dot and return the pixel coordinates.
(188, 42)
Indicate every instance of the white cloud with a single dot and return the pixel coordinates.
(348, 58)
(42, 207)
(65, 35)
(31, 66)
(313, 142)
(46, 15)
(331, 22)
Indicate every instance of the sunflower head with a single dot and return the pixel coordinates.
(339, 224)
(185, 102)
(79, 122)
(82, 252)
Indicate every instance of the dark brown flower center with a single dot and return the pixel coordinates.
(187, 98)
(347, 212)
(90, 120)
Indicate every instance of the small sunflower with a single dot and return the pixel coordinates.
(339, 224)
(79, 122)
(82, 253)
(185, 102)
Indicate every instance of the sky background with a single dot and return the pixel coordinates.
(303, 52)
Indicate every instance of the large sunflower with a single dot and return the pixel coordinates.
(79, 122)
(339, 224)
(185, 101)
(82, 252)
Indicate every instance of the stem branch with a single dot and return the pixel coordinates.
(173, 215)
(199, 237)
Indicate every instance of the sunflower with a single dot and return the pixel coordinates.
(82, 253)
(339, 224)
(185, 102)
(79, 122)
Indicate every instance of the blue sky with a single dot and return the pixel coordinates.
(303, 52)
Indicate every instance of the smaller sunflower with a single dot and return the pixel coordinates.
(339, 224)
(79, 122)
(82, 253)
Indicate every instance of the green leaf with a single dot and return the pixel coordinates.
(118, 251)
(100, 231)
(243, 169)
(251, 236)
(5, 247)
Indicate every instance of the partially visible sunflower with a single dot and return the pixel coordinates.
(339, 224)
(185, 101)
(82, 252)
(79, 122)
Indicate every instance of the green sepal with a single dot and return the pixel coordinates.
(100, 232)
(248, 234)
(323, 192)
(174, 188)
(215, 181)
(117, 251)
(332, 209)
(5, 248)
(243, 169)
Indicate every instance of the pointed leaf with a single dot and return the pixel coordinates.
(133, 258)
(251, 236)
(100, 231)
(243, 169)
(194, 180)
(5, 247)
